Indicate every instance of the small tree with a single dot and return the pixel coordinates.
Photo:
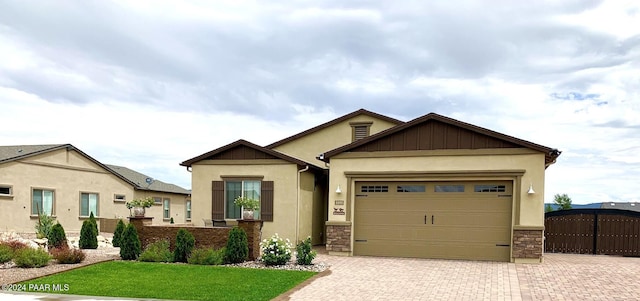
(130, 244)
(88, 237)
(184, 245)
(57, 237)
(548, 208)
(237, 246)
(563, 201)
(117, 235)
(93, 221)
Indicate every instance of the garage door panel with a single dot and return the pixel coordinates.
(434, 249)
(474, 224)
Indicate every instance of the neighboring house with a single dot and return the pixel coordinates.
(367, 184)
(68, 184)
(632, 206)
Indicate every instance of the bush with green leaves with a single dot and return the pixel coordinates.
(207, 256)
(57, 237)
(44, 225)
(275, 250)
(66, 255)
(184, 245)
(6, 253)
(130, 243)
(88, 237)
(117, 234)
(304, 252)
(157, 252)
(237, 249)
(31, 258)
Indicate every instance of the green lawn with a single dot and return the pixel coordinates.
(175, 281)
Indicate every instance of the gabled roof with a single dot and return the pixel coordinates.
(498, 138)
(332, 122)
(139, 181)
(245, 150)
(16, 152)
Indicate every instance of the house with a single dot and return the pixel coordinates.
(368, 184)
(68, 184)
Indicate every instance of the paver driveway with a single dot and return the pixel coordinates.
(560, 277)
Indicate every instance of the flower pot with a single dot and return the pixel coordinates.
(138, 211)
(247, 214)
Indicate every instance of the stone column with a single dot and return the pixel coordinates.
(339, 238)
(253, 228)
(527, 244)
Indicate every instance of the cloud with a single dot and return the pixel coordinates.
(152, 83)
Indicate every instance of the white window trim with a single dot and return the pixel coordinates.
(188, 210)
(242, 194)
(53, 201)
(10, 195)
(168, 209)
(115, 198)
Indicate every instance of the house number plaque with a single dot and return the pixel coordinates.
(339, 202)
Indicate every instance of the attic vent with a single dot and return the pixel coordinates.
(360, 130)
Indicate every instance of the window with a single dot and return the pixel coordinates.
(375, 188)
(490, 188)
(360, 130)
(42, 201)
(166, 214)
(188, 213)
(5, 190)
(157, 200)
(449, 188)
(88, 204)
(234, 189)
(119, 198)
(411, 188)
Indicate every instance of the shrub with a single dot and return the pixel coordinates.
(237, 246)
(57, 237)
(15, 245)
(93, 221)
(157, 252)
(117, 235)
(171, 222)
(275, 251)
(88, 237)
(31, 258)
(184, 245)
(207, 256)
(304, 253)
(44, 225)
(66, 255)
(6, 253)
(130, 243)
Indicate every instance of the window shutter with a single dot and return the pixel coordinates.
(217, 200)
(266, 201)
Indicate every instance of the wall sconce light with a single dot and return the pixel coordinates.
(338, 190)
(531, 189)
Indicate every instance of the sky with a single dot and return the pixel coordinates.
(150, 84)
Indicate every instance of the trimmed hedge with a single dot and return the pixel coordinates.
(88, 236)
(130, 244)
(184, 245)
(57, 237)
(117, 234)
(237, 249)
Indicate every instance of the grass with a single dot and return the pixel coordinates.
(175, 281)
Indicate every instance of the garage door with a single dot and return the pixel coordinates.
(451, 220)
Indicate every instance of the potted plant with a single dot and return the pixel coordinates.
(248, 206)
(139, 206)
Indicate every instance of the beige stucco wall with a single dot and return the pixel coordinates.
(528, 209)
(308, 147)
(68, 173)
(282, 173)
(177, 207)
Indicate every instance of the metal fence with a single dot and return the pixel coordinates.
(593, 231)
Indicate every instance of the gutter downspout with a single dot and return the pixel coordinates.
(298, 201)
